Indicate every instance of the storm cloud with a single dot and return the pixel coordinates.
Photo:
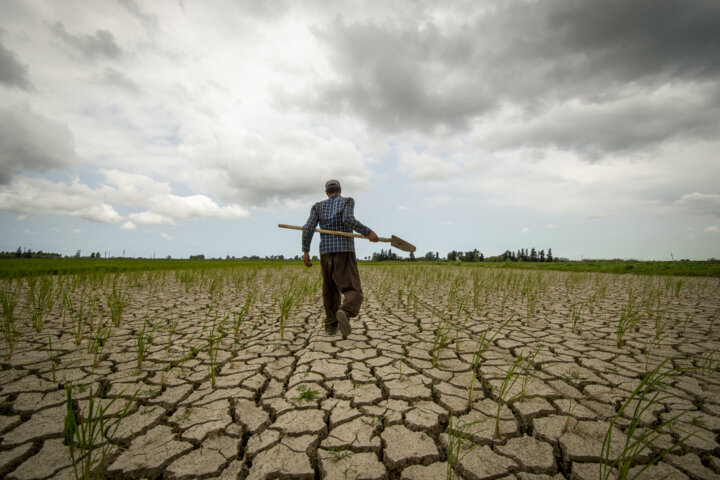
(31, 142)
(13, 73)
(424, 74)
(93, 47)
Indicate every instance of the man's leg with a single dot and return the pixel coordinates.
(331, 294)
(347, 279)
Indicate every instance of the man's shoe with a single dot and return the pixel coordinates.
(343, 323)
(331, 330)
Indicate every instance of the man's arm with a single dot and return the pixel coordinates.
(307, 235)
(350, 220)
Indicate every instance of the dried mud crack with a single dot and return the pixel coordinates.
(497, 373)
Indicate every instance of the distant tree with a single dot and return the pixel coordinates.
(549, 255)
(542, 255)
(481, 258)
(385, 256)
(429, 256)
(18, 254)
(533, 255)
(452, 256)
(412, 257)
(77, 254)
(92, 254)
(437, 256)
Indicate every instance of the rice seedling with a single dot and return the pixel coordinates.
(306, 394)
(639, 437)
(688, 318)
(576, 312)
(8, 301)
(629, 318)
(713, 319)
(97, 339)
(172, 327)
(215, 289)
(240, 316)
(143, 339)
(569, 420)
(287, 303)
(709, 367)
(53, 357)
(656, 340)
(519, 366)
(526, 367)
(117, 299)
(42, 299)
(86, 438)
(81, 312)
(338, 454)
(464, 312)
(459, 443)
(442, 338)
(677, 286)
(482, 346)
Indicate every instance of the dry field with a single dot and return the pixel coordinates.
(450, 372)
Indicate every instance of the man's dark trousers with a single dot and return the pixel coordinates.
(340, 275)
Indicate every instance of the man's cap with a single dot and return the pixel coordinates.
(332, 184)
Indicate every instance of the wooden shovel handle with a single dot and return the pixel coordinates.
(332, 232)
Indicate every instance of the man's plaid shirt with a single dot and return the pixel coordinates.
(335, 213)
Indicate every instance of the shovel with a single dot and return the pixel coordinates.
(394, 241)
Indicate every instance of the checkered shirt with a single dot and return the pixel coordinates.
(335, 213)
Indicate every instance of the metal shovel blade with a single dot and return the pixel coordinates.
(398, 242)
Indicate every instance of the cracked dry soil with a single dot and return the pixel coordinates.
(372, 406)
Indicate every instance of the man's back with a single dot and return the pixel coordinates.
(334, 213)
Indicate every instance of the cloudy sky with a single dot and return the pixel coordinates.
(178, 127)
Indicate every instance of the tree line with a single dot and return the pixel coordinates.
(521, 255)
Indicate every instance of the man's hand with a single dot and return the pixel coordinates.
(306, 258)
(373, 237)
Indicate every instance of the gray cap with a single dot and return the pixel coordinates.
(330, 184)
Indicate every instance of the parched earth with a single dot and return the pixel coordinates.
(371, 406)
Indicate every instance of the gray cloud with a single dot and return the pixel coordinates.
(100, 45)
(631, 124)
(29, 141)
(150, 21)
(417, 73)
(701, 203)
(115, 78)
(13, 73)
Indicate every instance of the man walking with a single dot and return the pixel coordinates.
(337, 257)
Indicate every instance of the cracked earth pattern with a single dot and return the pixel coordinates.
(372, 406)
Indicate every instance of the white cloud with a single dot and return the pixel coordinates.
(277, 168)
(712, 229)
(525, 230)
(28, 195)
(76, 231)
(163, 206)
(151, 218)
(552, 226)
(128, 226)
(166, 236)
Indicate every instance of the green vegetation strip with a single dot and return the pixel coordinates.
(25, 267)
